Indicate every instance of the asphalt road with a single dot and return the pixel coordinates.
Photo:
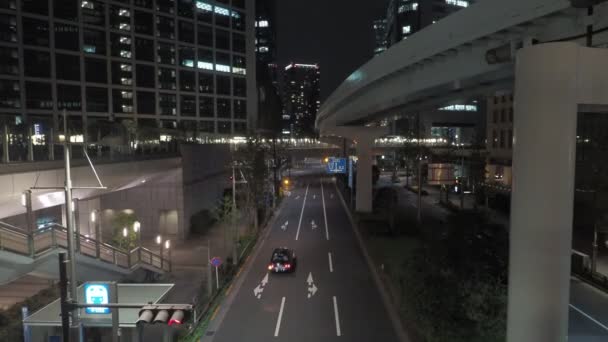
(330, 297)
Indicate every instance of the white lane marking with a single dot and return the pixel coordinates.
(589, 317)
(331, 265)
(276, 330)
(257, 292)
(338, 332)
(302, 214)
(324, 213)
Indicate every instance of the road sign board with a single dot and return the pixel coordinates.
(336, 165)
(97, 294)
(216, 261)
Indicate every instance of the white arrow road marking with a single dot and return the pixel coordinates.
(284, 226)
(276, 330)
(302, 213)
(257, 292)
(337, 316)
(314, 197)
(312, 290)
(298, 197)
(331, 266)
(331, 196)
(313, 224)
(324, 213)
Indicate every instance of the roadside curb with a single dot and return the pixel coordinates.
(388, 305)
(237, 282)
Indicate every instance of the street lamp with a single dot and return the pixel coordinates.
(125, 233)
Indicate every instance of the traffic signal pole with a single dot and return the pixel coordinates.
(63, 290)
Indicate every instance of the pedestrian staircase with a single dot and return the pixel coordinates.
(23, 253)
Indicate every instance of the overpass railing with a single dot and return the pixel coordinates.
(43, 240)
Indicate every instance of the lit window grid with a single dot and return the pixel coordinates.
(132, 87)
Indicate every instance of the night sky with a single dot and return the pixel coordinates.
(337, 34)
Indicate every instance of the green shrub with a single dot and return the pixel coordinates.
(455, 285)
(11, 328)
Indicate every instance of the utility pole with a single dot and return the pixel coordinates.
(73, 288)
(235, 255)
(209, 274)
(419, 214)
(71, 291)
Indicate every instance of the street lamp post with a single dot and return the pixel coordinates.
(168, 248)
(95, 220)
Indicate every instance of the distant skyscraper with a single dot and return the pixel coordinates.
(265, 34)
(380, 36)
(270, 105)
(301, 90)
(405, 17)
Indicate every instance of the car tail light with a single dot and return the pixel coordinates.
(287, 266)
(270, 267)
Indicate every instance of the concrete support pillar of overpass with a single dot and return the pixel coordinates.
(553, 83)
(364, 139)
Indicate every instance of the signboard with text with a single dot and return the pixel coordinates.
(96, 293)
(336, 165)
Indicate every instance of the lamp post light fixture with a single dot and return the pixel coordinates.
(168, 248)
(159, 241)
(97, 229)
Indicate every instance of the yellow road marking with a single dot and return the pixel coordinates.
(215, 312)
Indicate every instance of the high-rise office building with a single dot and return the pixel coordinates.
(405, 17)
(380, 44)
(265, 34)
(130, 71)
(301, 102)
(270, 106)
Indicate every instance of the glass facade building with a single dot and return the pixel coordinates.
(127, 72)
(405, 17)
(301, 102)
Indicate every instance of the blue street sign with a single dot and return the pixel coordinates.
(336, 165)
(216, 261)
(97, 294)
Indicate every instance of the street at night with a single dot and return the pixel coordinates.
(303, 170)
(331, 296)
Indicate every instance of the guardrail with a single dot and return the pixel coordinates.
(54, 236)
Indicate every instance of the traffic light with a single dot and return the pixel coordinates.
(170, 314)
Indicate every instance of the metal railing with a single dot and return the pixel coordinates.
(54, 236)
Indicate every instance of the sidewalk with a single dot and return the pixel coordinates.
(432, 199)
(189, 261)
